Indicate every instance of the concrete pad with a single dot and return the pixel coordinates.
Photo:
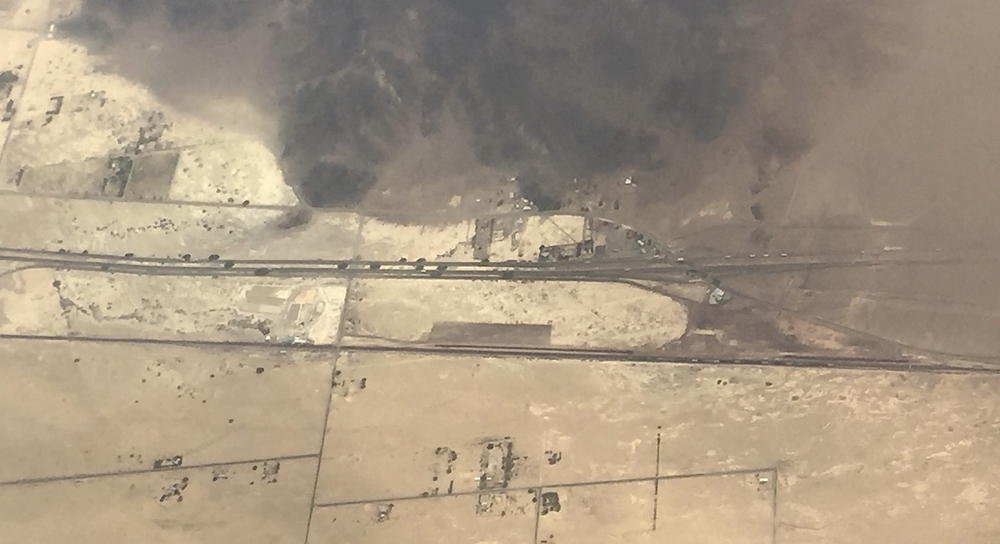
(501, 518)
(92, 408)
(582, 314)
(617, 512)
(389, 437)
(731, 508)
(491, 334)
(209, 309)
(232, 503)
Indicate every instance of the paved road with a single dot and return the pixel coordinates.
(665, 269)
(882, 364)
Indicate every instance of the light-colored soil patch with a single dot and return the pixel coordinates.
(196, 505)
(328, 235)
(602, 315)
(236, 172)
(384, 241)
(600, 513)
(103, 115)
(147, 229)
(92, 408)
(442, 520)
(860, 456)
(523, 241)
(219, 309)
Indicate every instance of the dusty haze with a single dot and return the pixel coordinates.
(548, 90)
(800, 126)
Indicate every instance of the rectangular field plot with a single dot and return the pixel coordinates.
(723, 509)
(267, 504)
(618, 512)
(402, 425)
(88, 408)
(501, 518)
(719, 509)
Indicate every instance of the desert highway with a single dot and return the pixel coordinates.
(663, 269)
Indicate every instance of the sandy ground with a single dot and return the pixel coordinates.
(147, 441)
(93, 408)
(903, 161)
(149, 229)
(588, 451)
(40, 302)
(891, 99)
(517, 237)
(580, 314)
(851, 465)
